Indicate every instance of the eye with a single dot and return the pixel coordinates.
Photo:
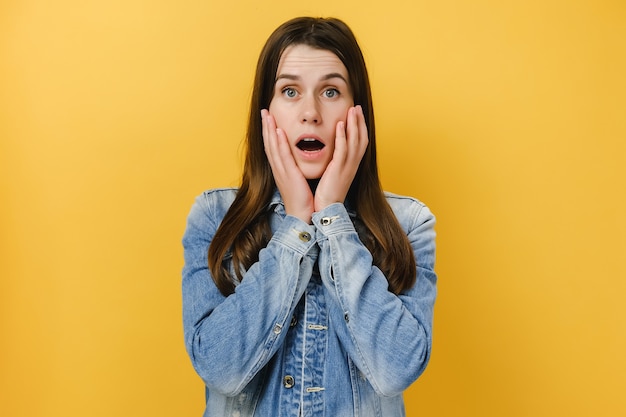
(289, 92)
(331, 93)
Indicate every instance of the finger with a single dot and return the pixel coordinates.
(280, 156)
(283, 150)
(266, 131)
(270, 141)
(352, 124)
(340, 141)
(357, 133)
(264, 114)
(363, 135)
(354, 132)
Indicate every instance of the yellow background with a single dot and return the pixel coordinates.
(507, 118)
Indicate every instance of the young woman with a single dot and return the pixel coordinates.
(308, 291)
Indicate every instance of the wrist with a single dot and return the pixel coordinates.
(304, 214)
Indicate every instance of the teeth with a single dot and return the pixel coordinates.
(310, 144)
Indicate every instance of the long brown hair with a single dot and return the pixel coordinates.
(245, 230)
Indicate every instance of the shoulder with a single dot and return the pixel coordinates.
(410, 211)
(218, 198)
(211, 206)
(403, 202)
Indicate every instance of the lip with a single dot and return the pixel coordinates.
(310, 155)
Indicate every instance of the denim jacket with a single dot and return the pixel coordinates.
(312, 329)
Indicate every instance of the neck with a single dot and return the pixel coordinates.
(313, 184)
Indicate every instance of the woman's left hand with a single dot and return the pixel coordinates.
(350, 144)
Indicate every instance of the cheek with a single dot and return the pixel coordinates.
(279, 113)
(336, 112)
(342, 114)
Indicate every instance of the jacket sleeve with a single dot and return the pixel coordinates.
(388, 337)
(229, 339)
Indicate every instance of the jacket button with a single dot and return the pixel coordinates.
(325, 221)
(277, 328)
(305, 236)
(346, 317)
(288, 381)
(294, 321)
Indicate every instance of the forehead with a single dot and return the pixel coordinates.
(297, 59)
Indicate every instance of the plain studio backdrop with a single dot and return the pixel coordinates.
(506, 118)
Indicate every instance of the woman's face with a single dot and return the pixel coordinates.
(311, 96)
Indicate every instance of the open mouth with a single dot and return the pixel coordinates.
(310, 145)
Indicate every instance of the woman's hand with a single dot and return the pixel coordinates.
(293, 187)
(350, 145)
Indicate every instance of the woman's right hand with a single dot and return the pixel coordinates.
(294, 188)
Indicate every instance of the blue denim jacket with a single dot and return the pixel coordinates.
(312, 329)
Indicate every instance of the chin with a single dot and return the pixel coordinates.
(312, 175)
(312, 172)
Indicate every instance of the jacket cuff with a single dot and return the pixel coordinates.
(332, 220)
(296, 234)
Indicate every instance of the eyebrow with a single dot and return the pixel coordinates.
(324, 78)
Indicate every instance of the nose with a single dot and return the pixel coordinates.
(310, 111)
